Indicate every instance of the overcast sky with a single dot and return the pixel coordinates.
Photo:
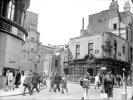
(60, 20)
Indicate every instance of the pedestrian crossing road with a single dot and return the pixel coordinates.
(75, 92)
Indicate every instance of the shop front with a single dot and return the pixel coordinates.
(96, 65)
(113, 65)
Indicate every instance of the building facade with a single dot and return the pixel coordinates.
(105, 44)
(46, 58)
(112, 20)
(12, 34)
(102, 50)
(31, 52)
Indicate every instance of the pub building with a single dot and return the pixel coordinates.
(105, 51)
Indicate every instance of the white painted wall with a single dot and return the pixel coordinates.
(97, 45)
(97, 42)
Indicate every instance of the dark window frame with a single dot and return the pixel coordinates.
(115, 26)
(77, 50)
(90, 48)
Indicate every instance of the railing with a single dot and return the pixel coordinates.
(12, 28)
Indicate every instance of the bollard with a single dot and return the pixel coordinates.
(124, 93)
(86, 87)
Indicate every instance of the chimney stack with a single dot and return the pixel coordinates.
(83, 24)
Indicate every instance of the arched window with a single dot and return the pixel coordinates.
(123, 49)
(77, 50)
(90, 47)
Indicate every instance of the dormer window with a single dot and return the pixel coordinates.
(115, 26)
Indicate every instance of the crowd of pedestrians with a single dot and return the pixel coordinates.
(13, 80)
(58, 82)
(107, 81)
(35, 80)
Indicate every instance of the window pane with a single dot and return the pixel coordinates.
(77, 48)
(56, 63)
(90, 45)
(91, 51)
(11, 10)
(77, 55)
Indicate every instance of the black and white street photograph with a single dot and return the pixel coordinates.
(66, 49)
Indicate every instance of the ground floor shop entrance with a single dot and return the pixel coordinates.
(80, 67)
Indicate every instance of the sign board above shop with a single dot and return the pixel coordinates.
(103, 68)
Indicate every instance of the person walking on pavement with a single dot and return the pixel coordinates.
(88, 77)
(27, 84)
(35, 82)
(80, 81)
(44, 78)
(7, 82)
(129, 81)
(52, 78)
(64, 84)
(18, 79)
(104, 82)
(97, 81)
(57, 82)
(108, 84)
(10, 80)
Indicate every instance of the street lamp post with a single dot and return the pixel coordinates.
(124, 93)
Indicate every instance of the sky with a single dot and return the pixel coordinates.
(60, 20)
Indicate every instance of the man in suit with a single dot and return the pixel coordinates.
(35, 81)
(57, 82)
